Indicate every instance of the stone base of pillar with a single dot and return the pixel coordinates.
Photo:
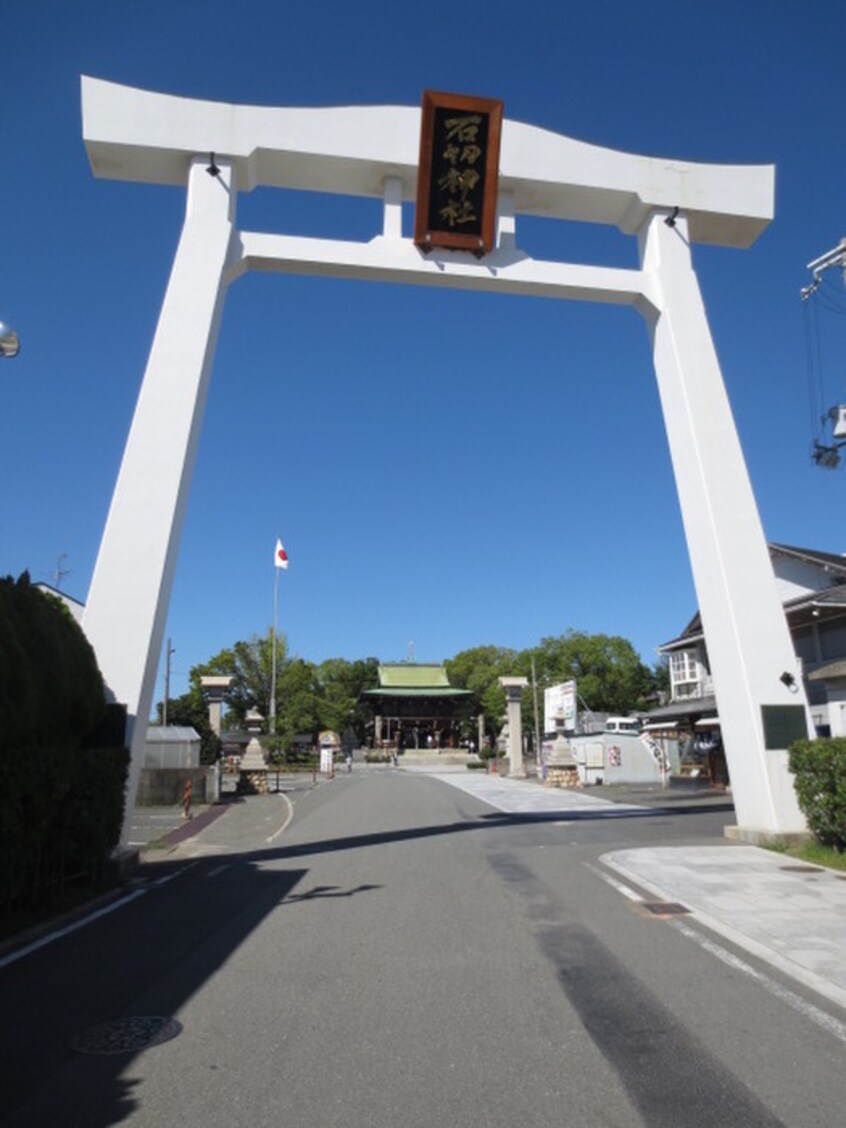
(563, 775)
(753, 837)
(253, 782)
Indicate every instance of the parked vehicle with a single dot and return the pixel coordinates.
(628, 726)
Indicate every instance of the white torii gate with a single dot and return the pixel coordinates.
(373, 151)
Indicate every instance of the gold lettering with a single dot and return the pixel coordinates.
(457, 212)
(463, 128)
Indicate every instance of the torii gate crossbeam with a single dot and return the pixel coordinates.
(137, 135)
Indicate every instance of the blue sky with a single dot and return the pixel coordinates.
(431, 486)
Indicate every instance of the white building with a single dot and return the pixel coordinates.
(812, 587)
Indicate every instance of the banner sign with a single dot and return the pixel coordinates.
(560, 699)
(458, 171)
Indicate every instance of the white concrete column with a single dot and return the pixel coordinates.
(745, 629)
(127, 604)
(513, 700)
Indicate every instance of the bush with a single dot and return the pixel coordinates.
(62, 770)
(819, 767)
(475, 765)
(52, 691)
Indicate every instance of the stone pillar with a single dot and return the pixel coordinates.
(215, 689)
(513, 699)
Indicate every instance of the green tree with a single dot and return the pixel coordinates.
(299, 702)
(249, 663)
(478, 670)
(341, 683)
(608, 671)
(191, 710)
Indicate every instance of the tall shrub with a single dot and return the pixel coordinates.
(819, 768)
(61, 794)
(53, 690)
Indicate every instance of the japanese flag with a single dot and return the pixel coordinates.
(280, 556)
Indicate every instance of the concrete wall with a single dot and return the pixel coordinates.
(614, 758)
(165, 787)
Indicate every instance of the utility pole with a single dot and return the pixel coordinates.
(827, 455)
(537, 717)
(168, 651)
(835, 257)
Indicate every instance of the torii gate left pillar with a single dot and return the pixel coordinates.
(373, 151)
(140, 545)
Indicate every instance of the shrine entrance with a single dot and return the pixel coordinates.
(415, 707)
(216, 151)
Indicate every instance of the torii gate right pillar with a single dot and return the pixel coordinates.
(749, 645)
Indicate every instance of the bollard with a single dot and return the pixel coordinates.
(186, 799)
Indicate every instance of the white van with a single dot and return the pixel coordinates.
(627, 726)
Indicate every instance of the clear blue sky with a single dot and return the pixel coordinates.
(385, 465)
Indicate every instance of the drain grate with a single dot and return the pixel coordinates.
(664, 908)
(801, 869)
(127, 1035)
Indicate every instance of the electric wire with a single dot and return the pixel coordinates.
(831, 297)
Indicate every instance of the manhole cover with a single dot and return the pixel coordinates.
(127, 1035)
(665, 908)
(801, 869)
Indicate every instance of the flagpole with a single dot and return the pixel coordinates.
(272, 710)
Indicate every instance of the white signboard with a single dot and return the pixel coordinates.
(560, 699)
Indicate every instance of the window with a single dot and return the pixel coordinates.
(684, 675)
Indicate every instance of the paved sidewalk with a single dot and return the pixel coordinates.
(526, 796)
(788, 913)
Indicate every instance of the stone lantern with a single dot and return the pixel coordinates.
(562, 769)
(253, 764)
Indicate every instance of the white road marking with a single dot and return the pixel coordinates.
(808, 1010)
(286, 823)
(615, 884)
(43, 941)
(217, 870)
(170, 876)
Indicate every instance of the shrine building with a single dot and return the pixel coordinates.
(415, 707)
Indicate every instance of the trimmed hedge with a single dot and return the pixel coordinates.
(50, 687)
(60, 818)
(61, 789)
(819, 768)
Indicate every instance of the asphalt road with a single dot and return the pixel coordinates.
(385, 951)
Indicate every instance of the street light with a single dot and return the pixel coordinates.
(9, 343)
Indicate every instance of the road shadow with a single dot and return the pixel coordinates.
(168, 939)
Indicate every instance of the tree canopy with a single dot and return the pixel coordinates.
(309, 697)
(609, 674)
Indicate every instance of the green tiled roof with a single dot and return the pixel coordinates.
(408, 679)
(407, 675)
(416, 691)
